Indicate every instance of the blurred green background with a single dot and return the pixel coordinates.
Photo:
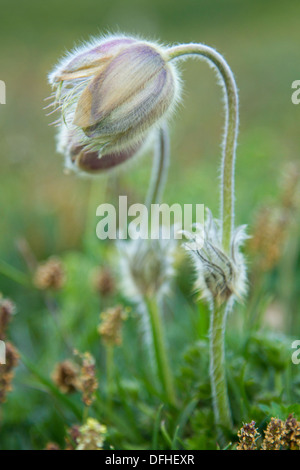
(39, 203)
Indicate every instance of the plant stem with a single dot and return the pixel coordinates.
(217, 367)
(160, 167)
(85, 414)
(161, 358)
(230, 134)
(218, 314)
(110, 374)
(110, 369)
(95, 198)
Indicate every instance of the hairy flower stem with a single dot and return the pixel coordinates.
(161, 358)
(218, 314)
(230, 134)
(160, 167)
(217, 367)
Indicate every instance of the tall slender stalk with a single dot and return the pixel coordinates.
(161, 358)
(218, 313)
(160, 167)
(156, 188)
(217, 366)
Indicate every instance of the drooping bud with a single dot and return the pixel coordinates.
(111, 93)
(81, 158)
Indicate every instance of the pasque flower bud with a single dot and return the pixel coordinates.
(111, 93)
(220, 276)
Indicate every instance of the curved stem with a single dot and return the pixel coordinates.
(218, 315)
(231, 129)
(217, 367)
(160, 167)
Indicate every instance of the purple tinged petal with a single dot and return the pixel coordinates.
(126, 124)
(90, 56)
(111, 95)
(90, 161)
(125, 77)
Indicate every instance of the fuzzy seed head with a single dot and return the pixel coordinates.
(111, 93)
(220, 276)
(146, 267)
